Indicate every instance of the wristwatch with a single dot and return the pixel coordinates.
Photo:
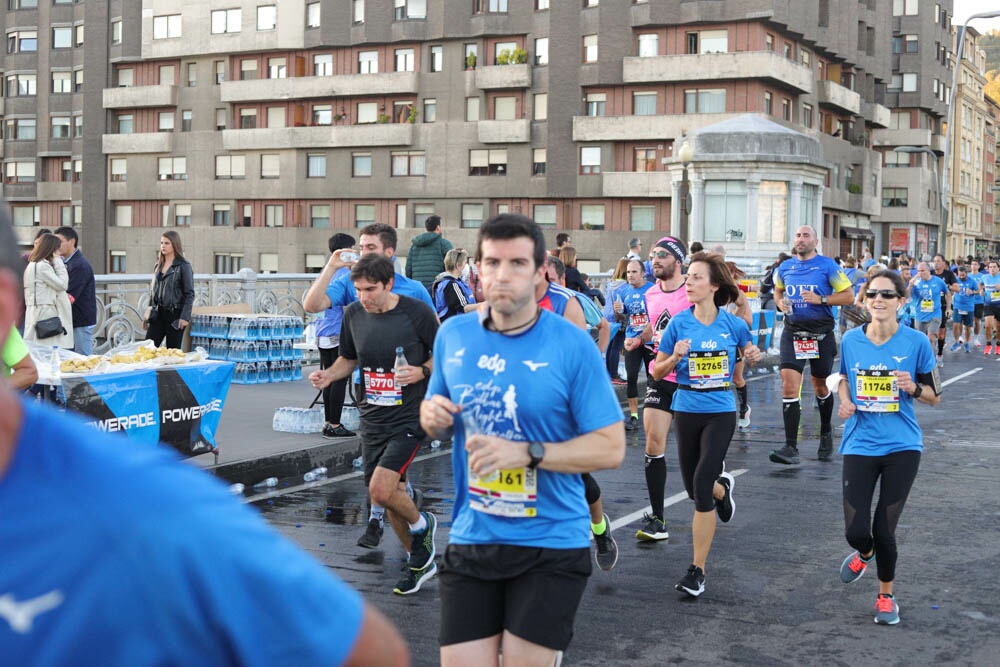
(536, 451)
(822, 300)
(426, 371)
(919, 390)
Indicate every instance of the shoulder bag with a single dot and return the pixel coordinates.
(50, 326)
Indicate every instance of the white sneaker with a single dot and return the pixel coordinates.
(744, 422)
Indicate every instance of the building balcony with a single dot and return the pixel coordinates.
(642, 128)
(305, 87)
(327, 136)
(20, 191)
(143, 142)
(832, 94)
(914, 137)
(876, 114)
(636, 184)
(496, 77)
(504, 131)
(55, 191)
(719, 66)
(135, 97)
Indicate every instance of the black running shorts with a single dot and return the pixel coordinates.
(659, 395)
(394, 452)
(821, 367)
(531, 592)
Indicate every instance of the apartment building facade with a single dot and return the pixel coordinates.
(257, 127)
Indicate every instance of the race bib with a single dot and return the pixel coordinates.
(926, 305)
(381, 388)
(511, 493)
(994, 296)
(806, 346)
(963, 312)
(708, 369)
(876, 391)
(638, 321)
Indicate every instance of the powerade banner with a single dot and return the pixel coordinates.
(178, 405)
(761, 333)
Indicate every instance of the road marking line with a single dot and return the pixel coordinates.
(959, 377)
(672, 500)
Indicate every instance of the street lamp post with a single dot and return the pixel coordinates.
(686, 155)
(949, 138)
(937, 186)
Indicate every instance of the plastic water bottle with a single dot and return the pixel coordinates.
(54, 364)
(236, 489)
(435, 444)
(268, 483)
(400, 361)
(358, 462)
(314, 474)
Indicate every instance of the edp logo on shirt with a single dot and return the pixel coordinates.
(494, 364)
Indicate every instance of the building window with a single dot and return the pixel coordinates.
(541, 5)
(644, 104)
(590, 159)
(895, 159)
(596, 104)
(220, 71)
(22, 41)
(905, 7)
(807, 115)
(62, 83)
(248, 69)
(186, 120)
(592, 216)
(165, 121)
(504, 108)
(275, 117)
(642, 218)
(590, 48)
(77, 170)
(274, 215)
(786, 109)
(123, 215)
(221, 216)
(645, 159)
(437, 58)
(172, 169)
(358, 11)
(312, 14)
(315, 165)
(430, 110)
(367, 112)
(412, 163)
(168, 74)
(470, 55)
(22, 85)
(409, 9)
(230, 167)
(220, 119)
(26, 216)
(545, 215)
(182, 215)
(323, 64)
(540, 106)
(368, 62)
(125, 123)
(538, 156)
(649, 45)
(270, 165)
(78, 81)
(322, 114)
(420, 214)
(119, 170)
(267, 17)
(319, 216)
(772, 212)
(489, 6)
(472, 215)
(78, 126)
(809, 206)
(705, 101)
(248, 119)
(60, 127)
(364, 215)
(725, 210)
(226, 21)
(361, 165)
(488, 162)
(909, 82)
(405, 60)
(228, 262)
(118, 263)
(895, 197)
(126, 77)
(471, 109)
(78, 35)
(542, 51)
(768, 106)
(268, 262)
(167, 27)
(277, 68)
(22, 129)
(62, 38)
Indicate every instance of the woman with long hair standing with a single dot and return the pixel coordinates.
(887, 368)
(613, 355)
(172, 293)
(45, 296)
(703, 343)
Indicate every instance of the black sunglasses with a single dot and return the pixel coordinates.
(884, 293)
(661, 254)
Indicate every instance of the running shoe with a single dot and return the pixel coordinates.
(988, 349)
(744, 422)
(692, 583)
(977, 343)
(372, 535)
(422, 551)
(331, 432)
(413, 579)
(653, 529)
(886, 610)
(956, 346)
(825, 452)
(632, 423)
(726, 507)
(607, 548)
(787, 455)
(618, 382)
(853, 567)
(996, 349)
(967, 350)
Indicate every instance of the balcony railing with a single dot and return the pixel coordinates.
(135, 97)
(305, 87)
(327, 136)
(719, 66)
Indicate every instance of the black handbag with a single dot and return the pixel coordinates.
(50, 326)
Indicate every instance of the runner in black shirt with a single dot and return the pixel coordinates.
(374, 326)
(942, 271)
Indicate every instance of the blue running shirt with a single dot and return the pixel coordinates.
(342, 293)
(978, 278)
(712, 358)
(926, 296)
(991, 288)
(547, 384)
(821, 275)
(884, 421)
(634, 305)
(965, 298)
(136, 558)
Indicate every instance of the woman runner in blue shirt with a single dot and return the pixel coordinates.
(887, 369)
(704, 341)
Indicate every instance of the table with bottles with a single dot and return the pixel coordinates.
(262, 346)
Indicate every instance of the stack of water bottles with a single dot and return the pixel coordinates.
(262, 346)
(298, 420)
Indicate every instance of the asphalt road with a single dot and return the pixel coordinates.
(773, 595)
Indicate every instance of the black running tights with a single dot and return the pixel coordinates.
(894, 474)
(634, 360)
(333, 394)
(702, 442)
